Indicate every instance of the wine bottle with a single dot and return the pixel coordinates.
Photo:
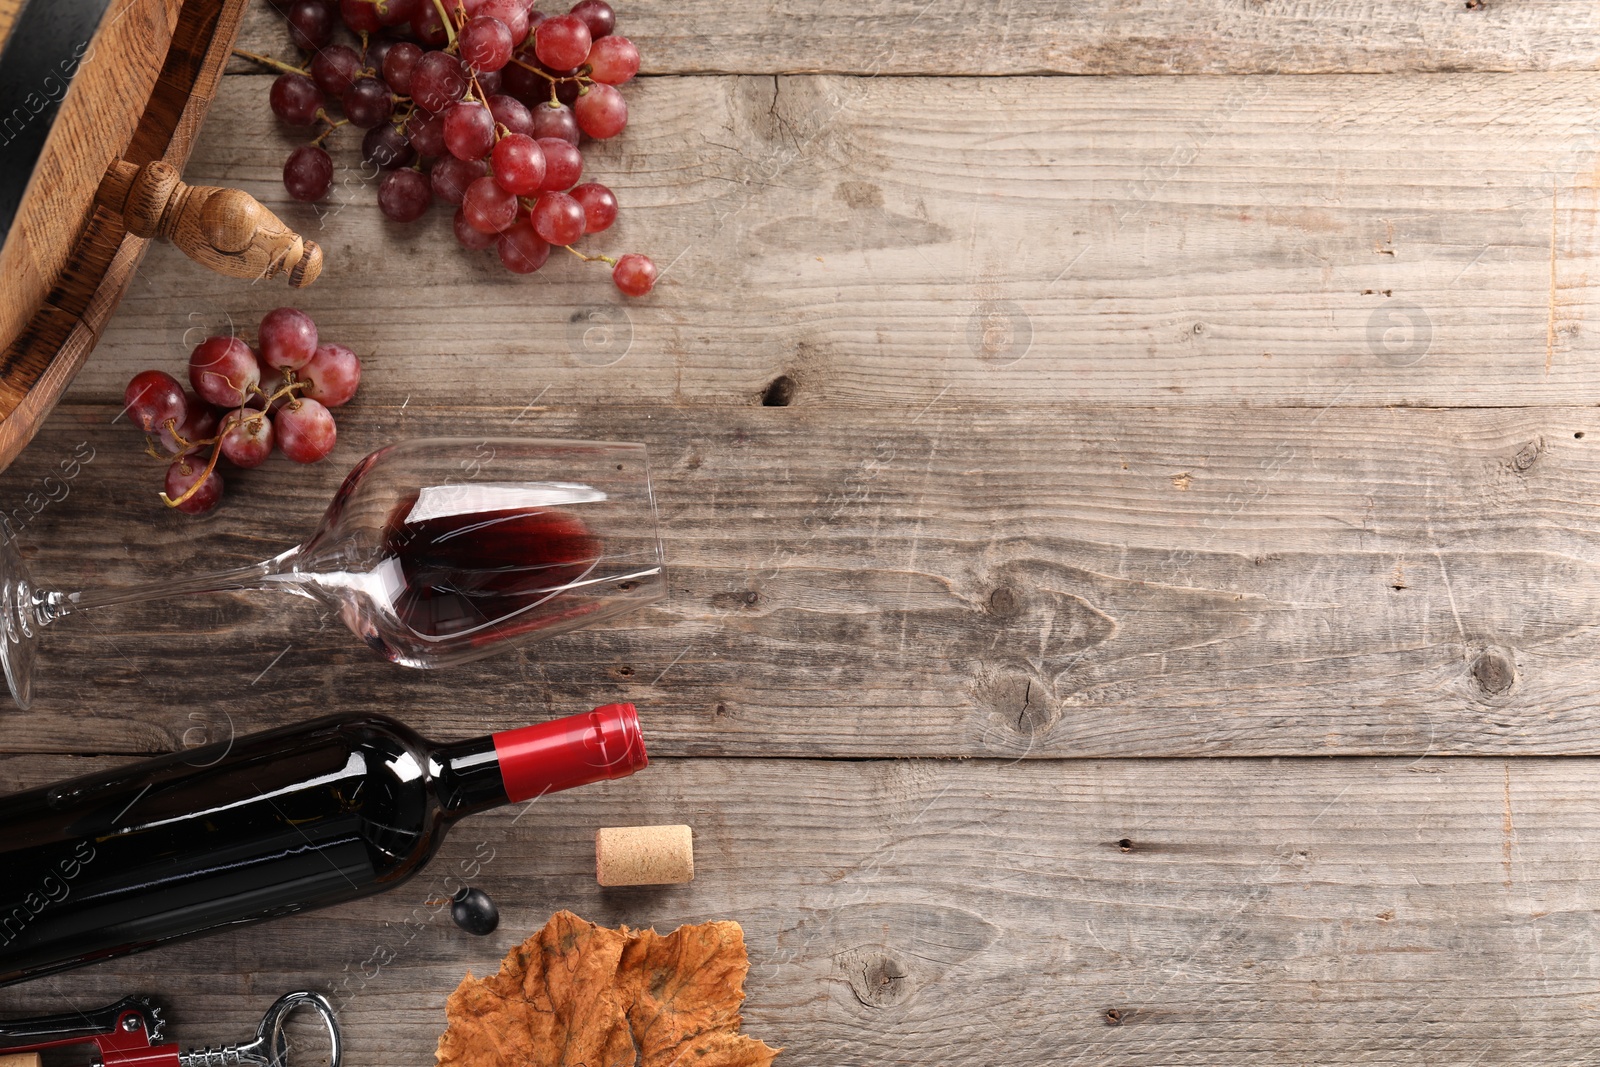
(263, 826)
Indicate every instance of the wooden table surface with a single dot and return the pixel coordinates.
(1129, 475)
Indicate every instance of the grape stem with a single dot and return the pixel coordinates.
(449, 24)
(211, 465)
(332, 125)
(596, 258)
(268, 61)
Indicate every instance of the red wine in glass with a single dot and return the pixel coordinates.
(434, 551)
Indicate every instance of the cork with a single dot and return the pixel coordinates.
(19, 1059)
(644, 855)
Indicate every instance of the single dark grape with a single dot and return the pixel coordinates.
(634, 274)
(557, 218)
(286, 338)
(474, 911)
(386, 148)
(397, 12)
(485, 43)
(567, 92)
(597, 15)
(405, 195)
(378, 49)
(310, 24)
(468, 130)
(369, 102)
(361, 16)
(555, 120)
(563, 164)
(437, 82)
(400, 64)
(426, 133)
(305, 430)
(562, 42)
(184, 472)
(599, 206)
(296, 99)
(521, 250)
(335, 68)
(489, 207)
(153, 397)
(428, 27)
(511, 113)
(247, 438)
(613, 60)
(601, 111)
(334, 374)
(469, 237)
(451, 176)
(522, 83)
(490, 81)
(308, 173)
(518, 164)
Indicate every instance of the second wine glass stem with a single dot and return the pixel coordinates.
(49, 606)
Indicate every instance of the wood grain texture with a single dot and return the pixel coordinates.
(1094, 37)
(963, 582)
(1213, 912)
(1164, 241)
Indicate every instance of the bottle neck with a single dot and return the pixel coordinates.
(527, 763)
(467, 777)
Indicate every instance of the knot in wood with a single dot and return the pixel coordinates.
(1493, 672)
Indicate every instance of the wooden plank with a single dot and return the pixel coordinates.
(955, 582)
(939, 37)
(1214, 912)
(1163, 241)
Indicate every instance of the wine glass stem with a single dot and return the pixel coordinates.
(279, 569)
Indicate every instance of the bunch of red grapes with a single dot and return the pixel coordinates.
(246, 402)
(492, 95)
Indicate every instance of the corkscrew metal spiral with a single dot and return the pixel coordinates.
(270, 1048)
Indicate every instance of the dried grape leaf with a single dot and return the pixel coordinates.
(579, 994)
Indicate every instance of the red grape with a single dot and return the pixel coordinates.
(247, 437)
(404, 195)
(514, 13)
(488, 207)
(518, 164)
(599, 206)
(511, 113)
(400, 64)
(485, 43)
(522, 83)
(613, 60)
(360, 15)
(555, 120)
(336, 68)
(468, 237)
(563, 164)
(521, 250)
(597, 15)
(368, 102)
(296, 99)
(557, 218)
(488, 82)
(184, 472)
(308, 173)
(310, 24)
(635, 275)
(153, 397)
(224, 371)
(601, 111)
(428, 27)
(305, 430)
(396, 12)
(468, 130)
(386, 148)
(378, 50)
(199, 425)
(562, 42)
(334, 373)
(451, 176)
(438, 81)
(287, 339)
(426, 133)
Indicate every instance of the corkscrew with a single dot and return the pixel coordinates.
(128, 1034)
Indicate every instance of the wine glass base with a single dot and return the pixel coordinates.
(19, 625)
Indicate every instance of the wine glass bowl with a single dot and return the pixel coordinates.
(433, 551)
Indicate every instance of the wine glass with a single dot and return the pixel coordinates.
(434, 551)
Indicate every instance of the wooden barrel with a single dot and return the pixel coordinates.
(106, 181)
